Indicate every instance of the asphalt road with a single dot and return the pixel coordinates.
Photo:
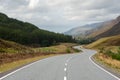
(64, 67)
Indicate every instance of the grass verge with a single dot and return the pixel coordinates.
(109, 57)
(108, 62)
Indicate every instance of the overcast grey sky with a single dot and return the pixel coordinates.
(61, 15)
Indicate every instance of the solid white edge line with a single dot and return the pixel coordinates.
(18, 70)
(103, 68)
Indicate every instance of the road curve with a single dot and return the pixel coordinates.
(64, 67)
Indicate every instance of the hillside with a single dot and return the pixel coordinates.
(108, 52)
(115, 30)
(108, 41)
(11, 47)
(27, 33)
(104, 27)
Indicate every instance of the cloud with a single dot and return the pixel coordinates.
(61, 15)
(33, 3)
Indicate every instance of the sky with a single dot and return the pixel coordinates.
(61, 15)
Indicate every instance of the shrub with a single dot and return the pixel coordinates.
(68, 50)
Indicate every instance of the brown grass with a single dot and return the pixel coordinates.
(12, 65)
(108, 61)
(108, 41)
(103, 46)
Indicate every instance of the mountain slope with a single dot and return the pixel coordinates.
(104, 27)
(107, 41)
(115, 30)
(27, 33)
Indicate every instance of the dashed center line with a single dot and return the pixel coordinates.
(65, 69)
(65, 64)
(65, 78)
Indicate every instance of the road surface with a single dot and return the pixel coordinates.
(64, 67)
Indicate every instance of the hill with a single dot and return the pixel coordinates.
(108, 41)
(115, 30)
(27, 33)
(104, 27)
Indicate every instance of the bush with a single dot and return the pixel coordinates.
(113, 54)
(68, 50)
(76, 50)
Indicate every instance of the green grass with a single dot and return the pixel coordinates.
(62, 48)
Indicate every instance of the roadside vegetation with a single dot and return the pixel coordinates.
(13, 54)
(108, 51)
(109, 56)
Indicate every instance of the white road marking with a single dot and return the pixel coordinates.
(103, 69)
(65, 64)
(65, 69)
(65, 78)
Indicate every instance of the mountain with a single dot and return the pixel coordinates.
(82, 30)
(105, 27)
(115, 30)
(93, 30)
(27, 33)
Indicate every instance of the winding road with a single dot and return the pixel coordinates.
(77, 66)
